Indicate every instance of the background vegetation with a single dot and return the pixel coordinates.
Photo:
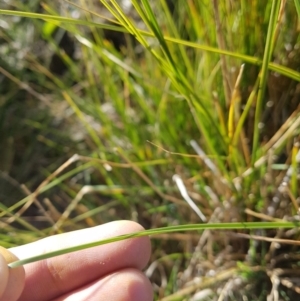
(180, 112)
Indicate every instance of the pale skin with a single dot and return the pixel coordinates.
(109, 272)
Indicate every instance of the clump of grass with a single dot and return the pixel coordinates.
(202, 90)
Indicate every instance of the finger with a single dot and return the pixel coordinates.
(125, 285)
(61, 274)
(12, 283)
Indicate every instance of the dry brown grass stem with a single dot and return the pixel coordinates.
(262, 216)
(150, 183)
(268, 239)
(207, 282)
(286, 125)
(25, 86)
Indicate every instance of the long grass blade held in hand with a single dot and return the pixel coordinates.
(192, 227)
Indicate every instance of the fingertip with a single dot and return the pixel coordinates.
(140, 287)
(15, 278)
(132, 285)
(141, 246)
(127, 225)
(138, 248)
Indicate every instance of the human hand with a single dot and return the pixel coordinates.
(110, 272)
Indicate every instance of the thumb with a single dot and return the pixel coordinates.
(12, 280)
(4, 272)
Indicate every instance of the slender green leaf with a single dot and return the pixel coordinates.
(182, 228)
(263, 75)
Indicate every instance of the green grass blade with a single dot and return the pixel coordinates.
(182, 228)
(297, 4)
(59, 20)
(263, 75)
(21, 221)
(244, 58)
